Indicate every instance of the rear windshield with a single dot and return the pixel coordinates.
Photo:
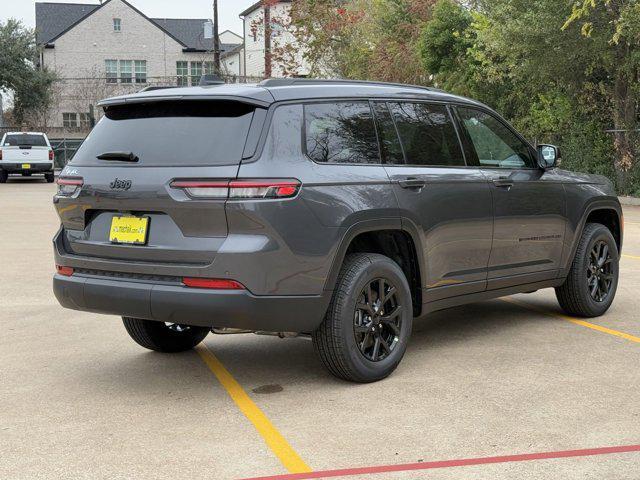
(184, 133)
(24, 140)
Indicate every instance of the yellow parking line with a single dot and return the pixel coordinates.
(635, 257)
(272, 437)
(592, 326)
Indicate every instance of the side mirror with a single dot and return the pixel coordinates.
(548, 156)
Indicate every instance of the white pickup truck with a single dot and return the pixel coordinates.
(25, 153)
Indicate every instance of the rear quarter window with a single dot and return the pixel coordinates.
(171, 133)
(341, 132)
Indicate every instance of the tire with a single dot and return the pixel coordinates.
(49, 177)
(345, 346)
(3, 176)
(576, 294)
(160, 337)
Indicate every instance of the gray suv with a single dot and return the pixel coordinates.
(336, 209)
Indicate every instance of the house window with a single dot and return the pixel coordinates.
(196, 72)
(140, 71)
(126, 71)
(209, 68)
(111, 67)
(70, 120)
(85, 120)
(182, 71)
(117, 25)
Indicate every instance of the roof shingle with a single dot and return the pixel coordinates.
(52, 19)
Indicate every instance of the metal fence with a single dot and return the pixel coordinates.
(64, 149)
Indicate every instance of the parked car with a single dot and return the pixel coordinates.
(25, 153)
(337, 209)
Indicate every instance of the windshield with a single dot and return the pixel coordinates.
(184, 133)
(24, 139)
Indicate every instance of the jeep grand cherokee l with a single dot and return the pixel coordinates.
(337, 209)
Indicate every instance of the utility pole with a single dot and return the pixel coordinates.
(216, 40)
(267, 40)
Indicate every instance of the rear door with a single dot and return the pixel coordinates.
(447, 202)
(151, 161)
(529, 203)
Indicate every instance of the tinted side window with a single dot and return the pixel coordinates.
(495, 144)
(341, 132)
(427, 134)
(391, 149)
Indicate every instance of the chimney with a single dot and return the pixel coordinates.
(208, 29)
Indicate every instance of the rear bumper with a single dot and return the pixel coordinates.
(33, 167)
(179, 304)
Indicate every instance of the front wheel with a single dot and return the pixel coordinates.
(593, 279)
(367, 327)
(164, 337)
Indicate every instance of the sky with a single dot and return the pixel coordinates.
(228, 10)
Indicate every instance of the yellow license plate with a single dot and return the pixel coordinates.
(26, 166)
(130, 230)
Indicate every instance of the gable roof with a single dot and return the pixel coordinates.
(52, 19)
(190, 31)
(55, 19)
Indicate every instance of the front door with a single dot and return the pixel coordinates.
(446, 202)
(528, 202)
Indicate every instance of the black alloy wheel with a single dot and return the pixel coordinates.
(377, 320)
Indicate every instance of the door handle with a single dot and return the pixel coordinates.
(412, 183)
(503, 182)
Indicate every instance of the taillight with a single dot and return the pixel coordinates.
(51, 155)
(66, 271)
(212, 283)
(0, 154)
(240, 189)
(69, 186)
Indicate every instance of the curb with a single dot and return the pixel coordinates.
(630, 201)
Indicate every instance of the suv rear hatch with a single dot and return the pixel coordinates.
(129, 177)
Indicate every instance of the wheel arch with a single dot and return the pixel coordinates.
(387, 237)
(605, 212)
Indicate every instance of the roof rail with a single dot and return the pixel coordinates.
(285, 82)
(151, 88)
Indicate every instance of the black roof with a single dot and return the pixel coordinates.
(270, 91)
(54, 19)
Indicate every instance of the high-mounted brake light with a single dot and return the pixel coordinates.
(240, 189)
(212, 283)
(66, 271)
(68, 186)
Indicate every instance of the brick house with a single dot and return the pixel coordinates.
(100, 50)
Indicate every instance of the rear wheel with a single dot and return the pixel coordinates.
(593, 279)
(49, 177)
(3, 176)
(164, 337)
(368, 324)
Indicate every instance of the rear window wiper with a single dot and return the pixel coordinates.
(119, 156)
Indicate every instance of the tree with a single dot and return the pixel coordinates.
(19, 73)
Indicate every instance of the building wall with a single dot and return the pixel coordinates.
(79, 55)
(255, 46)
